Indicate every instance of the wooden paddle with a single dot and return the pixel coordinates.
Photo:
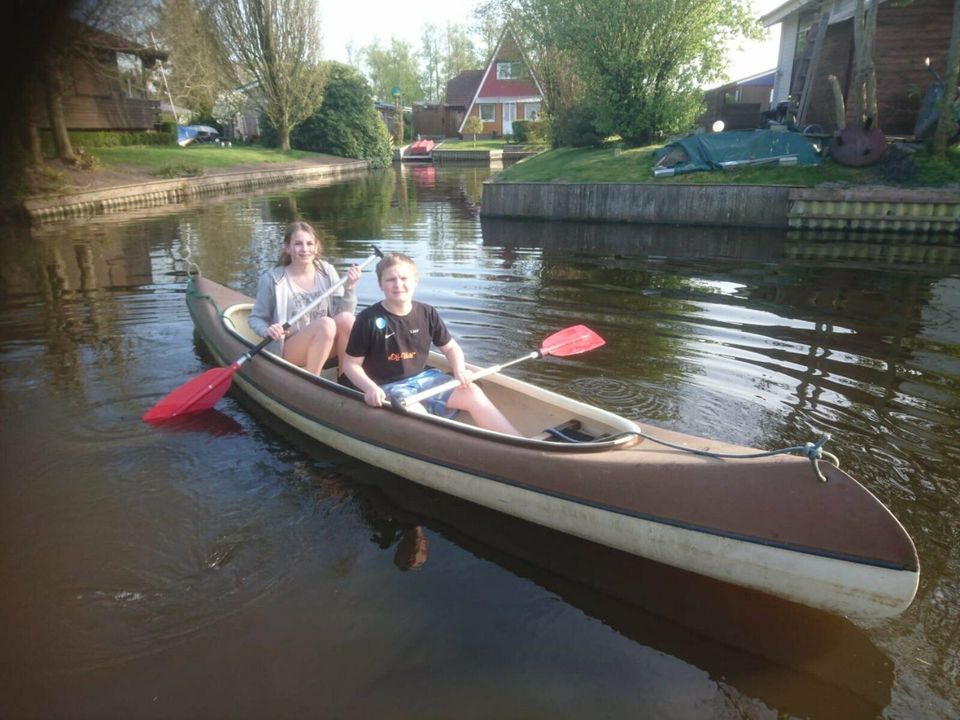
(202, 392)
(570, 341)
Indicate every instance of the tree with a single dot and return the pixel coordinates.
(392, 67)
(642, 62)
(274, 45)
(431, 58)
(864, 90)
(460, 53)
(197, 72)
(947, 123)
(473, 126)
(346, 124)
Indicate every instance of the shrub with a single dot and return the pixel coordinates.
(109, 138)
(346, 124)
(575, 127)
(530, 131)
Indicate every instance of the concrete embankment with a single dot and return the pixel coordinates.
(179, 190)
(759, 206)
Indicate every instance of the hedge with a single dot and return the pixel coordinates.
(107, 138)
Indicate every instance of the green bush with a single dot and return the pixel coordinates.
(575, 127)
(530, 131)
(346, 124)
(108, 138)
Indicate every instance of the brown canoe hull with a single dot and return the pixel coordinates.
(764, 523)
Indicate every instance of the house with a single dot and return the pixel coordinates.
(461, 90)
(505, 91)
(428, 120)
(738, 104)
(105, 83)
(906, 34)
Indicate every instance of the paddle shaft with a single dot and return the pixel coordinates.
(292, 321)
(453, 384)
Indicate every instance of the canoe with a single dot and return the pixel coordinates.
(767, 524)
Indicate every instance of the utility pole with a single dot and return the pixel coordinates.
(399, 123)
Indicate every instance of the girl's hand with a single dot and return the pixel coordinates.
(463, 375)
(353, 277)
(276, 331)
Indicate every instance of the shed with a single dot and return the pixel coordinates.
(906, 34)
(104, 82)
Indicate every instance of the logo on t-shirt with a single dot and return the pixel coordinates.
(380, 322)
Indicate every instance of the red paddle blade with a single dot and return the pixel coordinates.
(199, 394)
(572, 341)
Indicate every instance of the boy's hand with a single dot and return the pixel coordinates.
(375, 396)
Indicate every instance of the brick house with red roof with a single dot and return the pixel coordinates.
(507, 90)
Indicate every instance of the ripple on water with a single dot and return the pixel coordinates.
(633, 400)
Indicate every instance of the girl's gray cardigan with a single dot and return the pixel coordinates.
(273, 293)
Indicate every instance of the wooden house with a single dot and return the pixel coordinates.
(461, 90)
(738, 104)
(104, 83)
(505, 91)
(906, 34)
(428, 121)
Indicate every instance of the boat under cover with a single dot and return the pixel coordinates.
(768, 524)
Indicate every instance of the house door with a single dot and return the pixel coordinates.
(509, 115)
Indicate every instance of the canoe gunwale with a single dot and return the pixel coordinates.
(617, 441)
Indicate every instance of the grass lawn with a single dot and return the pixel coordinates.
(468, 144)
(165, 161)
(636, 166)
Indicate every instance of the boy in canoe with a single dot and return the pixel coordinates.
(386, 356)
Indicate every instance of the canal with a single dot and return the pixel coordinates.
(228, 567)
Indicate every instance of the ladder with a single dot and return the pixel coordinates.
(801, 84)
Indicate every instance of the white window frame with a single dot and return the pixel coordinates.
(492, 109)
(531, 107)
(509, 70)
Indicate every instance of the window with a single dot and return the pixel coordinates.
(531, 111)
(488, 112)
(509, 70)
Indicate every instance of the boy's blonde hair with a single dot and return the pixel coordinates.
(391, 259)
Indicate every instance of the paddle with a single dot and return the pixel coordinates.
(570, 341)
(202, 392)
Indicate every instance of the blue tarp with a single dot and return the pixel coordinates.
(187, 134)
(736, 148)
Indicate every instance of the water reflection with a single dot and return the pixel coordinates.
(132, 553)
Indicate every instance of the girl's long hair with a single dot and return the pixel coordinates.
(293, 227)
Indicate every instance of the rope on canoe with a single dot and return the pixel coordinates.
(812, 451)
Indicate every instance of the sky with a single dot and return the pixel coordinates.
(363, 21)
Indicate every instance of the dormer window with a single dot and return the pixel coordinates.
(509, 70)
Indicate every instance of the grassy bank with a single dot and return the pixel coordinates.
(468, 144)
(586, 165)
(194, 159)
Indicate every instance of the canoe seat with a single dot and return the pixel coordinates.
(568, 432)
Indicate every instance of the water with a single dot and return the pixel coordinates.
(230, 568)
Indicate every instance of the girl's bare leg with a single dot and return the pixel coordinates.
(310, 347)
(344, 322)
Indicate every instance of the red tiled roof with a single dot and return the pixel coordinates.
(507, 88)
(461, 89)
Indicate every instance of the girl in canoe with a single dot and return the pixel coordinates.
(388, 349)
(299, 277)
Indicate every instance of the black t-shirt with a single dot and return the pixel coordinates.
(395, 347)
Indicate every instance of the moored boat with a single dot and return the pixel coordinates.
(766, 523)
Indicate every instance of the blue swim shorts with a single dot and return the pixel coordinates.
(429, 378)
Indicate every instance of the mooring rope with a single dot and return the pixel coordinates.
(812, 451)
